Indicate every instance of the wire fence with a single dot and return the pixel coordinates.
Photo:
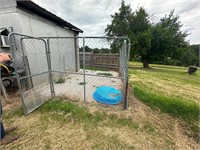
(68, 67)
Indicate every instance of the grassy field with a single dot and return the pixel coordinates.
(168, 88)
(170, 81)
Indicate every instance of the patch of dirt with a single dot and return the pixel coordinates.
(73, 85)
(13, 101)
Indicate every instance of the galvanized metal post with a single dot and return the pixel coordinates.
(84, 82)
(127, 49)
(199, 58)
(125, 75)
(125, 58)
(48, 53)
(120, 62)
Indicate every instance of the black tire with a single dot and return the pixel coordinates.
(7, 83)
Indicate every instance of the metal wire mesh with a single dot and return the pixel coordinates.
(63, 54)
(69, 67)
(67, 85)
(32, 70)
(36, 95)
(81, 65)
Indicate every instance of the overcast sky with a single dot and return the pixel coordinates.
(92, 16)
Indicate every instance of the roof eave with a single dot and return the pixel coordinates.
(31, 6)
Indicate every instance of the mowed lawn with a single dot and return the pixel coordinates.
(164, 86)
(171, 81)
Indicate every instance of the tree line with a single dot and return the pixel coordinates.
(162, 42)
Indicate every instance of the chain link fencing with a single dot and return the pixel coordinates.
(32, 70)
(68, 67)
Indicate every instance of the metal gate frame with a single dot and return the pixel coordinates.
(18, 77)
(124, 59)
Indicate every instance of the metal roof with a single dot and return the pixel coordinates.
(36, 9)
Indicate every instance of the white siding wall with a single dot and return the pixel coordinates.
(7, 5)
(37, 27)
(10, 20)
(62, 50)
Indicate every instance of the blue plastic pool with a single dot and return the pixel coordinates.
(107, 95)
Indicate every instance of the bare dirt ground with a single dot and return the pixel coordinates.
(73, 86)
(156, 130)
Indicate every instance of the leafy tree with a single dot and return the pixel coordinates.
(120, 22)
(167, 41)
(87, 49)
(174, 37)
(196, 48)
(95, 50)
(140, 28)
(189, 58)
(120, 26)
(134, 25)
(150, 42)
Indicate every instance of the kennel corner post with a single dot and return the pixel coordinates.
(124, 69)
(126, 52)
(84, 82)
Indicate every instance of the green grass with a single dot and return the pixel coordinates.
(168, 88)
(149, 127)
(15, 112)
(65, 107)
(95, 68)
(60, 80)
(187, 110)
(73, 111)
(82, 83)
(60, 115)
(172, 73)
(105, 74)
(60, 120)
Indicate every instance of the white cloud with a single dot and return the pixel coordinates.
(92, 16)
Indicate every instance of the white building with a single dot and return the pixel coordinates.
(28, 18)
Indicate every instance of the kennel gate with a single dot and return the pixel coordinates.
(50, 67)
(33, 73)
